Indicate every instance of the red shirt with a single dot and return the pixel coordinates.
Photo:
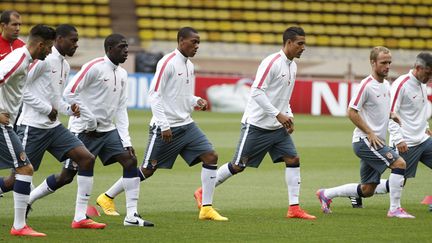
(6, 47)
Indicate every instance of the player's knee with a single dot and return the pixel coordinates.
(398, 164)
(66, 177)
(210, 158)
(238, 168)
(292, 161)
(147, 172)
(368, 190)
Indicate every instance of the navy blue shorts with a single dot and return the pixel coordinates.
(105, 145)
(373, 162)
(256, 142)
(188, 141)
(422, 153)
(58, 141)
(12, 154)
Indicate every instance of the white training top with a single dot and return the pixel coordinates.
(171, 94)
(44, 90)
(100, 90)
(409, 101)
(271, 92)
(13, 74)
(372, 101)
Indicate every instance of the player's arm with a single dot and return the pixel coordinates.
(394, 127)
(156, 91)
(72, 95)
(29, 98)
(8, 67)
(122, 121)
(355, 118)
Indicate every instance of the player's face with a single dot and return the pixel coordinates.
(69, 43)
(424, 74)
(189, 46)
(119, 53)
(12, 29)
(381, 66)
(44, 49)
(295, 47)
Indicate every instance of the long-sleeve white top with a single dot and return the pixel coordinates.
(13, 74)
(271, 92)
(99, 89)
(44, 90)
(171, 94)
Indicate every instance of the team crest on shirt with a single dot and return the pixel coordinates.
(23, 156)
(389, 155)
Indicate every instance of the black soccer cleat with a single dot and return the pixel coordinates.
(356, 202)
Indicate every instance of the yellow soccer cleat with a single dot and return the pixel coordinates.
(209, 213)
(107, 205)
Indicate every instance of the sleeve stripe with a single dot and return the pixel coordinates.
(162, 70)
(361, 91)
(397, 92)
(267, 70)
(13, 69)
(84, 73)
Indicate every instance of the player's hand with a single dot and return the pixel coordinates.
(76, 110)
(202, 104)
(131, 151)
(4, 119)
(375, 141)
(402, 147)
(167, 135)
(395, 117)
(53, 115)
(429, 132)
(287, 122)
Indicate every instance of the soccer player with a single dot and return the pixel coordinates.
(40, 130)
(10, 22)
(13, 74)
(99, 89)
(369, 110)
(172, 130)
(268, 121)
(411, 138)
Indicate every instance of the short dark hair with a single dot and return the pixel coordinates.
(64, 30)
(112, 40)
(185, 32)
(43, 32)
(424, 59)
(6, 16)
(292, 32)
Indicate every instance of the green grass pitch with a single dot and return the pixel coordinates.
(255, 201)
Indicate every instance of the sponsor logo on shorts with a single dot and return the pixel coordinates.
(389, 155)
(23, 156)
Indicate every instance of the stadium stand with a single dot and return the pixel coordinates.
(91, 17)
(396, 24)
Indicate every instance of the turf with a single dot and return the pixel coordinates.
(255, 201)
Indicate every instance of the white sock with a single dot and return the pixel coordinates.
(396, 182)
(39, 192)
(116, 188)
(222, 174)
(85, 186)
(382, 187)
(292, 179)
(132, 189)
(347, 190)
(21, 201)
(208, 180)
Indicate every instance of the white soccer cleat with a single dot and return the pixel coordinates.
(137, 221)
